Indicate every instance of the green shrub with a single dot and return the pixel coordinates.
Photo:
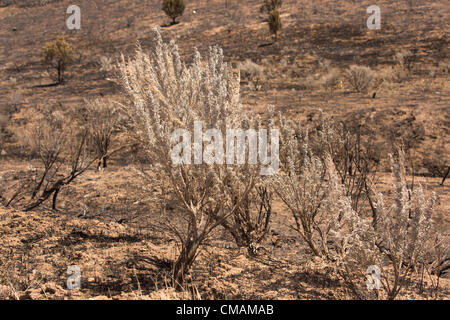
(58, 55)
(174, 8)
(270, 5)
(275, 24)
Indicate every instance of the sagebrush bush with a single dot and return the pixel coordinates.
(396, 239)
(360, 78)
(250, 222)
(309, 187)
(165, 95)
(399, 239)
(355, 156)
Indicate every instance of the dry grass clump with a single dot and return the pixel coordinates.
(328, 76)
(330, 79)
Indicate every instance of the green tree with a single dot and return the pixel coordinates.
(58, 54)
(174, 8)
(275, 24)
(270, 5)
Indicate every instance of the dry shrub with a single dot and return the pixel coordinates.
(63, 148)
(166, 95)
(102, 121)
(391, 74)
(324, 65)
(310, 186)
(330, 79)
(360, 78)
(252, 72)
(396, 238)
(106, 65)
(250, 222)
(311, 82)
(355, 156)
(400, 239)
(406, 59)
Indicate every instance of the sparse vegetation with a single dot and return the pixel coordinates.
(106, 65)
(250, 222)
(396, 240)
(345, 208)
